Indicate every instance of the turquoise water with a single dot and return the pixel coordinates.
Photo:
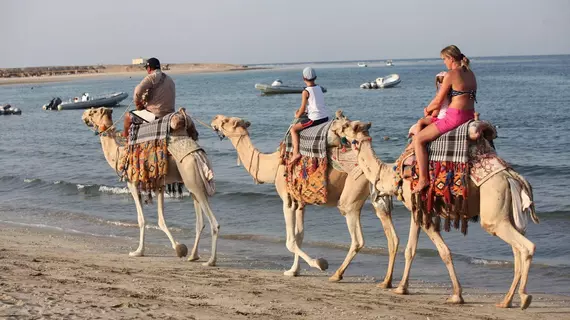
(52, 170)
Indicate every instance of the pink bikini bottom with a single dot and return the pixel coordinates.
(453, 118)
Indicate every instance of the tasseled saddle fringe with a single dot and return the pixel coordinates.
(175, 189)
(451, 212)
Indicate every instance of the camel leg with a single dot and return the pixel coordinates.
(214, 229)
(445, 255)
(357, 240)
(299, 236)
(199, 228)
(410, 254)
(393, 243)
(526, 248)
(289, 209)
(506, 303)
(161, 221)
(140, 217)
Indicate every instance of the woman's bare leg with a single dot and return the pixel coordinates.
(428, 134)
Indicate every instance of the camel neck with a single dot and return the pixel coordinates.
(374, 169)
(111, 149)
(261, 166)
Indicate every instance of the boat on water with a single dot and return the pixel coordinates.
(362, 64)
(7, 110)
(382, 82)
(277, 87)
(389, 63)
(86, 102)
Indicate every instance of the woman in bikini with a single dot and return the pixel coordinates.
(460, 85)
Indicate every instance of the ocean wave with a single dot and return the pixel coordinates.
(488, 262)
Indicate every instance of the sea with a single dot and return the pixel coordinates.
(53, 174)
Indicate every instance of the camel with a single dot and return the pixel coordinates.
(101, 120)
(344, 192)
(491, 201)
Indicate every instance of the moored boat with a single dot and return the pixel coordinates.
(7, 110)
(85, 102)
(382, 82)
(277, 87)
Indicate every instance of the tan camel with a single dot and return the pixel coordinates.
(491, 201)
(185, 171)
(344, 192)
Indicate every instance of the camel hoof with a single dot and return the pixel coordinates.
(503, 305)
(194, 257)
(525, 301)
(455, 299)
(291, 273)
(400, 290)
(181, 250)
(385, 285)
(209, 264)
(322, 264)
(335, 278)
(136, 254)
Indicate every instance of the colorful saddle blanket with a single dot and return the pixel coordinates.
(307, 178)
(145, 162)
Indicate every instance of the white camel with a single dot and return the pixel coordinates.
(185, 171)
(492, 201)
(344, 192)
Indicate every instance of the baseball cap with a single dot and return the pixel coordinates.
(153, 63)
(309, 73)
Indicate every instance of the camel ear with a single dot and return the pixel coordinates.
(235, 123)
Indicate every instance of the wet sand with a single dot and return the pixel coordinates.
(50, 274)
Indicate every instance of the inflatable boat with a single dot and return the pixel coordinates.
(382, 82)
(7, 110)
(277, 87)
(110, 100)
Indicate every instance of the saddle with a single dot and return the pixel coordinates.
(452, 159)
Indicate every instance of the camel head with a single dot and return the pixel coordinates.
(100, 118)
(230, 126)
(352, 131)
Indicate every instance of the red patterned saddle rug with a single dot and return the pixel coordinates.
(448, 189)
(307, 178)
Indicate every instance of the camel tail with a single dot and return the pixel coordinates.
(527, 188)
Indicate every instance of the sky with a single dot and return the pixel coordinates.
(86, 32)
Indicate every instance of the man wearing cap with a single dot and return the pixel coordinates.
(154, 97)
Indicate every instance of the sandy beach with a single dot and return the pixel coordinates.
(49, 274)
(129, 70)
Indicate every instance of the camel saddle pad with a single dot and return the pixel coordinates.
(180, 147)
(158, 129)
(452, 146)
(345, 161)
(484, 162)
(312, 141)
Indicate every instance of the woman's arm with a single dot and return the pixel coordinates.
(441, 95)
(303, 107)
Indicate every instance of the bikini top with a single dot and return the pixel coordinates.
(472, 94)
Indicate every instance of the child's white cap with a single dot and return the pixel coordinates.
(309, 73)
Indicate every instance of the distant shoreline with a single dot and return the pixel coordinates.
(71, 73)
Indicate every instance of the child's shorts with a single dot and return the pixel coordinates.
(307, 123)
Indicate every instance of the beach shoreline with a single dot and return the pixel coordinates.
(127, 70)
(53, 274)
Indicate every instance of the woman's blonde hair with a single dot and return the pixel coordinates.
(454, 53)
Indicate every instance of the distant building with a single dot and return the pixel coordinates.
(139, 61)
